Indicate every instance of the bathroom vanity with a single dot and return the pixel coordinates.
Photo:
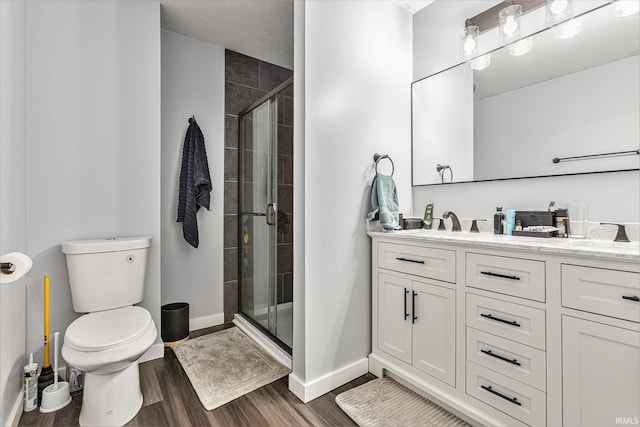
(509, 330)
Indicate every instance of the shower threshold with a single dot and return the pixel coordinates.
(268, 342)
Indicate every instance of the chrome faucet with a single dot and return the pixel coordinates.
(454, 219)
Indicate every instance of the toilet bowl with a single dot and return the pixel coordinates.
(107, 346)
(106, 278)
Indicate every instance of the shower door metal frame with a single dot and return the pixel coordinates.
(272, 94)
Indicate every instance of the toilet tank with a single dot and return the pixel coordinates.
(106, 273)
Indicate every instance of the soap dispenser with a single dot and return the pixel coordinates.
(498, 221)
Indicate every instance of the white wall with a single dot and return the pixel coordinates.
(613, 196)
(357, 75)
(12, 205)
(93, 140)
(192, 84)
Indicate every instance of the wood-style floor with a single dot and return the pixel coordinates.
(170, 400)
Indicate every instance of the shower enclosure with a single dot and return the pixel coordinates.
(265, 251)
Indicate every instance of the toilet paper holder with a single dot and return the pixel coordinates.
(13, 266)
(7, 267)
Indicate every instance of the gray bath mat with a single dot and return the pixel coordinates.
(383, 402)
(226, 365)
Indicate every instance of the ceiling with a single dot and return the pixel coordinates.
(262, 29)
(413, 6)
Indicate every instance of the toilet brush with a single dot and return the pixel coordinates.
(46, 375)
(56, 396)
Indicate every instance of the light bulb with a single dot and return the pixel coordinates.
(558, 6)
(568, 29)
(521, 47)
(469, 44)
(622, 8)
(481, 62)
(510, 26)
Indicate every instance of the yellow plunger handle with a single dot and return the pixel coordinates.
(46, 320)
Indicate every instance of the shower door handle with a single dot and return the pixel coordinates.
(271, 214)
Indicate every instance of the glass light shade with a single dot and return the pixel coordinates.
(509, 19)
(481, 62)
(469, 43)
(622, 8)
(521, 47)
(558, 11)
(568, 29)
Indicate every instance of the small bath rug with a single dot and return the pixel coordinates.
(225, 365)
(383, 402)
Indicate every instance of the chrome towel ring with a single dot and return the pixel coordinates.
(377, 157)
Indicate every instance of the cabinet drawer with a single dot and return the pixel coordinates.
(609, 292)
(517, 361)
(512, 276)
(512, 321)
(512, 397)
(439, 264)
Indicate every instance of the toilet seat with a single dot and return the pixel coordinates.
(105, 330)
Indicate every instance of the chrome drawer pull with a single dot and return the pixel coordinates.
(631, 298)
(497, 356)
(410, 260)
(497, 319)
(497, 393)
(504, 276)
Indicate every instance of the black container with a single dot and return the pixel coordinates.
(498, 221)
(174, 322)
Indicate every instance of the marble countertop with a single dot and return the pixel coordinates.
(627, 251)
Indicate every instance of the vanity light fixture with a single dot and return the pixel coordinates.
(622, 8)
(559, 14)
(469, 43)
(509, 23)
(558, 11)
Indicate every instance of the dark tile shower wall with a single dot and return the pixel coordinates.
(246, 80)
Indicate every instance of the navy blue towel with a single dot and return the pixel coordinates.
(195, 183)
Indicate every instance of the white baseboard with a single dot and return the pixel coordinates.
(206, 321)
(16, 411)
(316, 388)
(274, 350)
(156, 351)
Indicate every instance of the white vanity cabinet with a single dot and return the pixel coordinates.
(601, 356)
(600, 374)
(509, 331)
(415, 315)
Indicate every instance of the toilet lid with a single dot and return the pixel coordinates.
(104, 329)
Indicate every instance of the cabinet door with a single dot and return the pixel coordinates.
(600, 372)
(434, 329)
(394, 320)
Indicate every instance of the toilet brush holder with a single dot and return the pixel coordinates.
(55, 396)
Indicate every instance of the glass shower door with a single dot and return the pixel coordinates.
(258, 195)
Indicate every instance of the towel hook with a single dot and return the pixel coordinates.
(192, 119)
(377, 157)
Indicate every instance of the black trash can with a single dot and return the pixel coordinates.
(174, 323)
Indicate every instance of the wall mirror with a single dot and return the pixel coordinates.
(573, 100)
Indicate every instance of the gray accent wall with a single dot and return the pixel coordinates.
(246, 80)
(13, 224)
(192, 84)
(92, 141)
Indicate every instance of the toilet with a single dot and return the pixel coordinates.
(106, 277)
